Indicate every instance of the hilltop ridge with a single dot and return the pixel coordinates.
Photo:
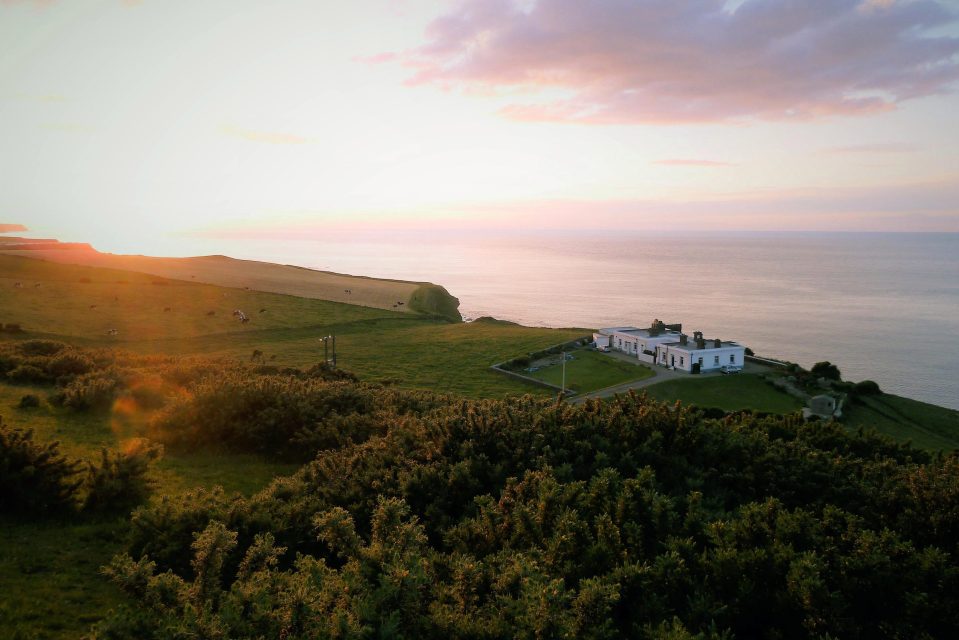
(397, 295)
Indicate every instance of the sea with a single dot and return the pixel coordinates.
(881, 306)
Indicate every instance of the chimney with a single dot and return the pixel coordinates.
(700, 343)
(697, 335)
(683, 338)
(717, 343)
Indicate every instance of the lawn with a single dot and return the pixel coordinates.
(590, 370)
(729, 393)
(927, 426)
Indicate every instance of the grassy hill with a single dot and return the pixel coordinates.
(80, 304)
(404, 297)
(927, 426)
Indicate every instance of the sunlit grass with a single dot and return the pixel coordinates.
(729, 393)
(590, 370)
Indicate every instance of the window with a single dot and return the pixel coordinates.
(682, 361)
(732, 358)
(715, 359)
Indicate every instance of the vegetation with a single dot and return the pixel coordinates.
(434, 300)
(223, 271)
(826, 370)
(406, 349)
(589, 370)
(744, 391)
(531, 518)
(419, 514)
(924, 425)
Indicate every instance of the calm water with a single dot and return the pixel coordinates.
(881, 306)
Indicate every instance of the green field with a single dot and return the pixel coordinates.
(729, 393)
(927, 426)
(591, 370)
(152, 315)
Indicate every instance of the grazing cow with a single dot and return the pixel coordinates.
(93, 306)
(244, 319)
(17, 285)
(165, 309)
(112, 332)
(256, 356)
(211, 313)
(262, 310)
(395, 306)
(400, 302)
(37, 285)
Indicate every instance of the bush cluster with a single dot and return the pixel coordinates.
(535, 519)
(38, 480)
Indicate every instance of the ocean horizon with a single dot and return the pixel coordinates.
(881, 306)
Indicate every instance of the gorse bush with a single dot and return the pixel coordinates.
(536, 519)
(37, 480)
(120, 481)
(280, 416)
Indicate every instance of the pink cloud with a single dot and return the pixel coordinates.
(676, 61)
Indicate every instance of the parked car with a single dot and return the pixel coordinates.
(730, 368)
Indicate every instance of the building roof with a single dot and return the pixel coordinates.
(710, 344)
(638, 333)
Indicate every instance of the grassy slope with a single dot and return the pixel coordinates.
(589, 370)
(273, 278)
(730, 393)
(927, 426)
(417, 351)
(49, 571)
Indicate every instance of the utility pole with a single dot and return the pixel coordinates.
(564, 374)
(326, 350)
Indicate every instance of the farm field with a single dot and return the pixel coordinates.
(590, 370)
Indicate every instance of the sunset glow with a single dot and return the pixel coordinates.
(300, 117)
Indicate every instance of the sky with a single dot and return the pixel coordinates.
(130, 122)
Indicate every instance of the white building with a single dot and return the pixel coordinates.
(667, 346)
(641, 343)
(699, 354)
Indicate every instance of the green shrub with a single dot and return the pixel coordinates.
(95, 390)
(40, 347)
(29, 401)
(867, 388)
(68, 364)
(826, 370)
(119, 482)
(35, 478)
(27, 374)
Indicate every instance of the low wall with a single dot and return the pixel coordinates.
(767, 361)
(520, 376)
